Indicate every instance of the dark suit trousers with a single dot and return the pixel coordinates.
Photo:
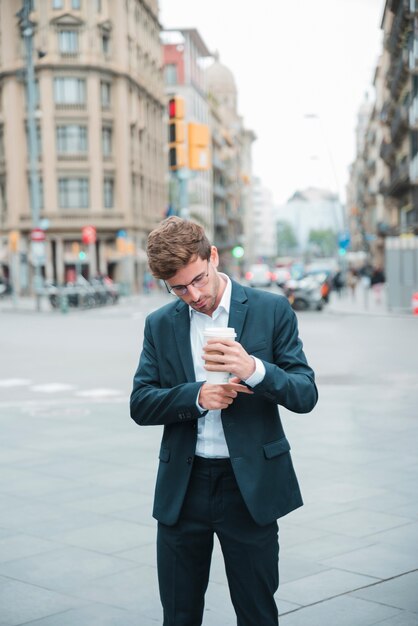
(213, 504)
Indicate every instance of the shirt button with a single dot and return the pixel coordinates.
(189, 460)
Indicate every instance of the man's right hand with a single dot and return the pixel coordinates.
(217, 397)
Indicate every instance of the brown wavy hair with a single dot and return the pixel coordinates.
(175, 243)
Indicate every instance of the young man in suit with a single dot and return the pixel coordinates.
(225, 465)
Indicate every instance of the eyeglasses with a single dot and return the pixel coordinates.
(198, 282)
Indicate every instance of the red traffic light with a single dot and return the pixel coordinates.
(176, 108)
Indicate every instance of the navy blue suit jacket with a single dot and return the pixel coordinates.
(165, 391)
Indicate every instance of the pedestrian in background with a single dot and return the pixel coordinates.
(225, 465)
(377, 281)
(352, 282)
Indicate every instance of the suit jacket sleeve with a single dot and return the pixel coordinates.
(289, 381)
(151, 403)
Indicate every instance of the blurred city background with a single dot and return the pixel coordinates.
(290, 131)
(111, 120)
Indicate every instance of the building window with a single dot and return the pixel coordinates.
(170, 74)
(75, 5)
(73, 193)
(106, 43)
(1, 143)
(71, 139)
(3, 198)
(57, 4)
(107, 136)
(68, 41)
(105, 89)
(69, 91)
(108, 192)
(98, 6)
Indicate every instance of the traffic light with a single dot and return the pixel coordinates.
(237, 252)
(199, 146)
(176, 134)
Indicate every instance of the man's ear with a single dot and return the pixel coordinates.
(214, 256)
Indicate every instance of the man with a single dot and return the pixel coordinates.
(225, 465)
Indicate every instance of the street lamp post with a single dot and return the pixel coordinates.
(27, 29)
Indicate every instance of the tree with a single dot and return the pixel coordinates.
(324, 240)
(286, 238)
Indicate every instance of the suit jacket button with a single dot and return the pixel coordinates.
(189, 460)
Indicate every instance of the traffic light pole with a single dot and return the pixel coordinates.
(27, 28)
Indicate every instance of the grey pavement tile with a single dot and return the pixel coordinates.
(95, 615)
(400, 592)
(58, 569)
(28, 483)
(380, 561)
(295, 534)
(19, 546)
(293, 567)
(140, 514)
(108, 503)
(64, 521)
(134, 590)
(344, 492)
(74, 467)
(79, 492)
(18, 456)
(403, 619)
(35, 516)
(328, 546)
(360, 522)
(341, 611)
(321, 586)
(21, 602)
(142, 555)
(108, 537)
(403, 537)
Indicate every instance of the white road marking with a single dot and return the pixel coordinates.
(99, 393)
(52, 387)
(14, 382)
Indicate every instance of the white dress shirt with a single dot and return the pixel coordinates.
(210, 434)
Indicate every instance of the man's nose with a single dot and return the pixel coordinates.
(194, 292)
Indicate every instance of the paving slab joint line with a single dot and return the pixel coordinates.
(345, 593)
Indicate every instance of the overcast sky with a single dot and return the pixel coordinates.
(292, 58)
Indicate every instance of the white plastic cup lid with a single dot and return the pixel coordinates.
(225, 333)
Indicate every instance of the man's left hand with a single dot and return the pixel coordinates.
(233, 358)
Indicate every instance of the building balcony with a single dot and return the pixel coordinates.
(399, 179)
(413, 7)
(387, 151)
(399, 124)
(398, 74)
(398, 26)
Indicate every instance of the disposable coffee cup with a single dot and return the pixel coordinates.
(217, 378)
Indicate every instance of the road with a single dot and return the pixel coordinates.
(76, 533)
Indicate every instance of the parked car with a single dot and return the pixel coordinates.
(282, 276)
(304, 294)
(259, 275)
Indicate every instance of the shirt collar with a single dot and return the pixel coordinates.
(225, 302)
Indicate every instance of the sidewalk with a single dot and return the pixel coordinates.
(363, 303)
(77, 540)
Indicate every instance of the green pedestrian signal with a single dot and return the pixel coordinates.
(82, 255)
(237, 252)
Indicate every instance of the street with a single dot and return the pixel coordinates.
(77, 474)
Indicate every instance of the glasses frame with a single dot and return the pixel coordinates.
(198, 283)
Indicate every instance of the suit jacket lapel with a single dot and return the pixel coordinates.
(238, 309)
(181, 329)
